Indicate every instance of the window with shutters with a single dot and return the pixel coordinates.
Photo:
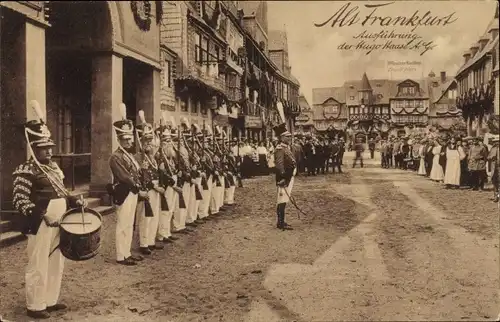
(167, 74)
(197, 42)
(65, 130)
(184, 104)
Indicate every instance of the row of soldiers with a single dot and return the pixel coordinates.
(317, 155)
(189, 178)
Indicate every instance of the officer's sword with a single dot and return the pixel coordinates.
(294, 203)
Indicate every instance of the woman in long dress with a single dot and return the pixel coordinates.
(421, 154)
(270, 155)
(454, 154)
(437, 173)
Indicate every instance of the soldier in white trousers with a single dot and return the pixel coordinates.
(126, 189)
(148, 209)
(165, 157)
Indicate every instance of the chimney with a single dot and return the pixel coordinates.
(493, 31)
(240, 15)
(466, 56)
(443, 77)
(483, 41)
(474, 48)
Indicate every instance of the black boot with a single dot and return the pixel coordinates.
(285, 225)
(279, 223)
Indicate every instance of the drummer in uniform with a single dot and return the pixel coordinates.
(286, 168)
(40, 197)
(148, 210)
(126, 189)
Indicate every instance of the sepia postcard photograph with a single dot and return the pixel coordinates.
(249, 161)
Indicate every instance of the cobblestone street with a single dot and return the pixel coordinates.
(376, 245)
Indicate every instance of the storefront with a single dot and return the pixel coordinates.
(254, 128)
(79, 63)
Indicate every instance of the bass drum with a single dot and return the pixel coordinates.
(80, 234)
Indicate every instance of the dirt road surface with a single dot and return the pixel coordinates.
(376, 244)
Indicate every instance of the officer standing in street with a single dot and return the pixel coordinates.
(286, 169)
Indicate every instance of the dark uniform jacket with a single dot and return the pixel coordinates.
(167, 170)
(285, 163)
(149, 170)
(33, 192)
(126, 176)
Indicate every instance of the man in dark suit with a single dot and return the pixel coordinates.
(335, 155)
(286, 169)
(371, 147)
(341, 151)
(310, 155)
(429, 156)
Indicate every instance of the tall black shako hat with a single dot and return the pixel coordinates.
(124, 128)
(280, 130)
(36, 131)
(145, 130)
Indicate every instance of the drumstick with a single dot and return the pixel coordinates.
(83, 213)
(75, 223)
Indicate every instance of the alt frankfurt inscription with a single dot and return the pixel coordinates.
(399, 32)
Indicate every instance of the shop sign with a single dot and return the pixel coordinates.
(253, 122)
(166, 107)
(302, 118)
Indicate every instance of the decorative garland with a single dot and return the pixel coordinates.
(413, 111)
(144, 23)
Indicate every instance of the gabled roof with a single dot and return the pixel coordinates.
(490, 46)
(321, 95)
(436, 93)
(365, 84)
(277, 40)
(249, 7)
(409, 80)
(304, 104)
(294, 80)
(383, 89)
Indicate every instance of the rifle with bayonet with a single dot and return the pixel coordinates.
(228, 180)
(194, 173)
(180, 179)
(218, 183)
(148, 210)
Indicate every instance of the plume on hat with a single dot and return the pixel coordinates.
(196, 128)
(38, 111)
(123, 111)
(172, 122)
(185, 122)
(142, 117)
(163, 118)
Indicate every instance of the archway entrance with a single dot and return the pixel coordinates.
(79, 32)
